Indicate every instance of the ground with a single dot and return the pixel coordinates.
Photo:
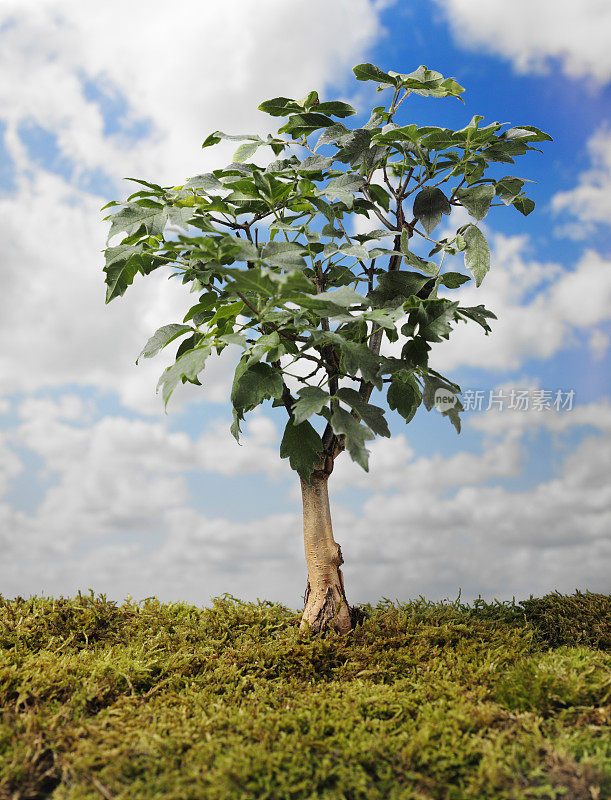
(423, 701)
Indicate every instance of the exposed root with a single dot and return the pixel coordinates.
(326, 610)
(330, 610)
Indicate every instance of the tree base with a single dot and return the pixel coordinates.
(329, 610)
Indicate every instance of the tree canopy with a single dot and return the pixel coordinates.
(281, 274)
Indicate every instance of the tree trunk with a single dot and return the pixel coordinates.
(326, 607)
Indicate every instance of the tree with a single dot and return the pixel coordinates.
(284, 280)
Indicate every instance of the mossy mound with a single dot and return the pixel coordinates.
(424, 701)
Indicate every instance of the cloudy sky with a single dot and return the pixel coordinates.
(100, 489)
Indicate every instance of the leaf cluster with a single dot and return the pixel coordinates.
(271, 253)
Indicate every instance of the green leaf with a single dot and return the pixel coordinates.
(356, 251)
(245, 151)
(122, 264)
(315, 164)
(332, 134)
(344, 297)
(524, 205)
(179, 217)
(433, 382)
(380, 196)
(478, 314)
(234, 338)
(343, 184)
(476, 199)
(429, 205)
(474, 169)
(435, 319)
(311, 99)
(438, 138)
(187, 366)
(343, 423)
(218, 135)
(354, 145)
(477, 253)
(254, 384)
(452, 280)
(508, 188)
(250, 280)
(372, 416)
(207, 182)
(303, 447)
(291, 282)
(453, 414)
(429, 83)
(452, 88)
(421, 78)
(211, 139)
(162, 337)
(247, 251)
(335, 108)
(324, 208)
(304, 124)
(396, 133)
(404, 395)
(527, 133)
(359, 357)
(397, 286)
(416, 352)
(369, 72)
(133, 215)
(311, 401)
(235, 425)
(288, 255)
(428, 267)
(280, 107)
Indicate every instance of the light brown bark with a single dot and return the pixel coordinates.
(326, 607)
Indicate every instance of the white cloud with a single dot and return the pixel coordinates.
(10, 465)
(431, 525)
(598, 344)
(531, 34)
(392, 466)
(186, 69)
(487, 538)
(589, 203)
(503, 422)
(119, 475)
(219, 452)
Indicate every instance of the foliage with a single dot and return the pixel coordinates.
(281, 276)
(424, 700)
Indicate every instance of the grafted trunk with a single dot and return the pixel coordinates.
(326, 606)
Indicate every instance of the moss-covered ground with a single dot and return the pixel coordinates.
(424, 701)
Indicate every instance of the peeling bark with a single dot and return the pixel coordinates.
(326, 607)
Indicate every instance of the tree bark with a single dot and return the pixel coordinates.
(326, 607)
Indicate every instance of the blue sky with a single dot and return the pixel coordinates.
(99, 488)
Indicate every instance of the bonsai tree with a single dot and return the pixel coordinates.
(320, 315)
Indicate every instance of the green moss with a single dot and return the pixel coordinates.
(424, 701)
(564, 678)
(571, 619)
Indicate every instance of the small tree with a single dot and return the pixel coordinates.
(283, 277)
